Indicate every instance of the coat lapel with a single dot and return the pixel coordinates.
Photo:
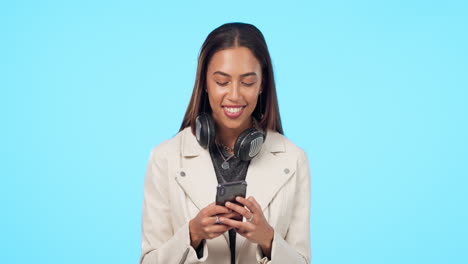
(267, 173)
(199, 181)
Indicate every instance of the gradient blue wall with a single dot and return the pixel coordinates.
(374, 91)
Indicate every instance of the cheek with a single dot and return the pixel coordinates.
(210, 87)
(252, 98)
(212, 99)
(215, 95)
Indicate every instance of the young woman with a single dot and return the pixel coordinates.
(233, 102)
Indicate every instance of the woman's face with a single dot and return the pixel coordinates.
(233, 84)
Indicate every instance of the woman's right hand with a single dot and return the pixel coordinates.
(204, 226)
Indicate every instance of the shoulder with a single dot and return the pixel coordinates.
(169, 147)
(279, 143)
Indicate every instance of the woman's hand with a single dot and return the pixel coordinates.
(204, 225)
(256, 228)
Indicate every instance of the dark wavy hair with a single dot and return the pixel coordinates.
(231, 35)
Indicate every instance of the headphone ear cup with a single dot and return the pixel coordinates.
(248, 144)
(204, 130)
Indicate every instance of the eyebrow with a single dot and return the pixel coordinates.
(227, 75)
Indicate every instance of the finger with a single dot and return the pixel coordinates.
(248, 203)
(217, 209)
(206, 209)
(237, 224)
(240, 209)
(217, 228)
(231, 215)
(242, 232)
(257, 206)
(213, 221)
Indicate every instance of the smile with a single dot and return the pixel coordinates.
(233, 112)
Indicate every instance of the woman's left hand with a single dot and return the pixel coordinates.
(256, 228)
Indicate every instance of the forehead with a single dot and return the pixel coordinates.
(234, 61)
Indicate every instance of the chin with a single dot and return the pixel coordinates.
(233, 124)
(230, 124)
(237, 123)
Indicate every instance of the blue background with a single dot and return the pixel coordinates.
(374, 91)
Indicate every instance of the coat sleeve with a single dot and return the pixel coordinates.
(160, 244)
(294, 248)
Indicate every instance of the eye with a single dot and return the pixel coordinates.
(222, 84)
(248, 84)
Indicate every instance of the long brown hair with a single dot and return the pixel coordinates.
(232, 35)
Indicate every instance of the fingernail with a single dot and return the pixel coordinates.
(238, 198)
(228, 203)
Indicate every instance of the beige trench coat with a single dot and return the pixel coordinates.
(180, 181)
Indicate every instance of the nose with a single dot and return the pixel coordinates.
(234, 92)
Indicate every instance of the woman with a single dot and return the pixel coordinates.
(234, 97)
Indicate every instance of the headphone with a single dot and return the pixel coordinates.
(248, 143)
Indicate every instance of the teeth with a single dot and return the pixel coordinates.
(233, 110)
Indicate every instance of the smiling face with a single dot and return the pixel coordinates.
(233, 84)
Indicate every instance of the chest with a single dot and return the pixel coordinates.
(193, 184)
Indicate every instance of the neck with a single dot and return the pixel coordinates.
(228, 136)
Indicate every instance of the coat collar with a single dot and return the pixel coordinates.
(190, 147)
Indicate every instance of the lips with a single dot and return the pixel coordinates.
(233, 111)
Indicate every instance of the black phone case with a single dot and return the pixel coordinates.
(229, 190)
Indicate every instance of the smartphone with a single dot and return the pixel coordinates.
(227, 192)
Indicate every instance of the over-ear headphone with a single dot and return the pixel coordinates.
(248, 143)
